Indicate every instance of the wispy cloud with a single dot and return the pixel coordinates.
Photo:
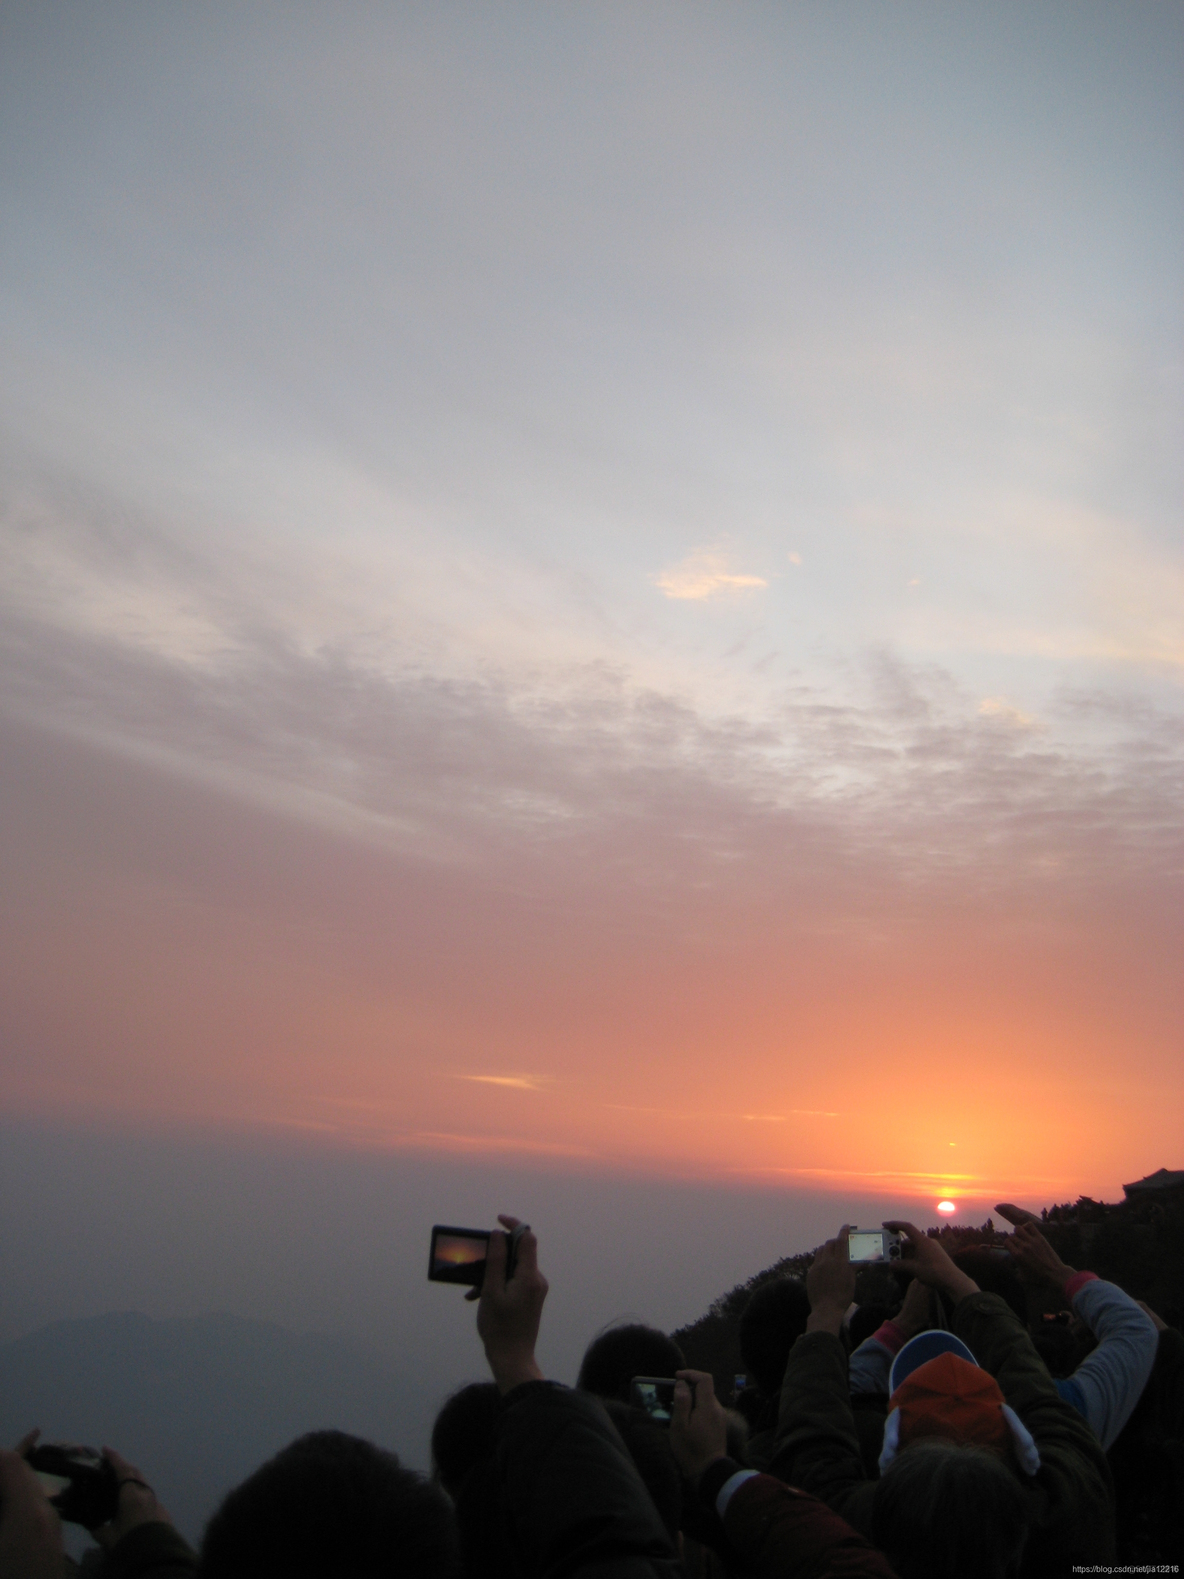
(885, 1173)
(444, 1140)
(905, 1184)
(706, 573)
(515, 1082)
(999, 707)
(794, 1112)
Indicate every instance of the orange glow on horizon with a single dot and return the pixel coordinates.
(427, 1012)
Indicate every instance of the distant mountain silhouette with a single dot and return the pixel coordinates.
(199, 1402)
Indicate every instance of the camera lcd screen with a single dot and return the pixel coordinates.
(458, 1255)
(654, 1394)
(866, 1246)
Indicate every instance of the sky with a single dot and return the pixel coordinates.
(591, 602)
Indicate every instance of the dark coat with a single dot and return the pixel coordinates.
(777, 1532)
(572, 1502)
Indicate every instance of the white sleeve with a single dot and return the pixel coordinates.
(1112, 1379)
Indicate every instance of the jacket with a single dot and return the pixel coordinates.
(572, 1502)
(777, 1532)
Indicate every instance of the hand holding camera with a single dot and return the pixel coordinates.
(511, 1306)
(830, 1284)
(100, 1491)
(81, 1484)
(926, 1259)
(868, 1245)
(138, 1503)
(916, 1312)
(699, 1428)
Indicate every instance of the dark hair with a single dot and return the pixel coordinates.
(947, 1510)
(615, 1357)
(770, 1324)
(465, 1433)
(994, 1275)
(331, 1506)
(750, 1406)
(649, 1448)
(1057, 1347)
(868, 1319)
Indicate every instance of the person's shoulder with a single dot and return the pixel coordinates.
(543, 1408)
(540, 1393)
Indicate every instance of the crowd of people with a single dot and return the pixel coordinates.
(969, 1431)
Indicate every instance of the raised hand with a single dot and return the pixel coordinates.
(1035, 1259)
(916, 1314)
(698, 1426)
(929, 1262)
(1017, 1214)
(830, 1284)
(509, 1312)
(137, 1502)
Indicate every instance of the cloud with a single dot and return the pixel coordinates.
(705, 573)
(998, 707)
(897, 768)
(517, 1082)
(797, 1112)
(513, 1145)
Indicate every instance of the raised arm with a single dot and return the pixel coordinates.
(1106, 1386)
(817, 1446)
(573, 1500)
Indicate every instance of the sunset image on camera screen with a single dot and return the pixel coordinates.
(452, 1252)
(867, 1247)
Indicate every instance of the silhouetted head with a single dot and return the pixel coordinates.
(868, 1319)
(465, 1433)
(331, 1506)
(1058, 1347)
(615, 1357)
(771, 1323)
(649, 1448)
(945, 1510)
(994, 1274)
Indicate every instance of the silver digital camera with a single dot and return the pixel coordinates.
(865, 1245)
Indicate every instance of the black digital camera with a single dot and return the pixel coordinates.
(80, 1483)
